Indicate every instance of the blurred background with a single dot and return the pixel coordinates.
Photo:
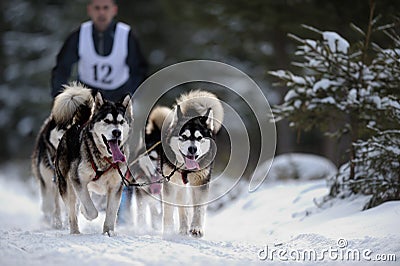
(249, 35)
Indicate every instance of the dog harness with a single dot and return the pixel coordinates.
(106, 72)
(184, 175)
(112, 165)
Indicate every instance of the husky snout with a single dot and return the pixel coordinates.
(192, 150)
(116, 133)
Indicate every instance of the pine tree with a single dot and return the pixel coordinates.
(358, 87)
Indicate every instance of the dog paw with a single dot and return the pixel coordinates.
(109, 233)
(196, 232)
(91, 215)
(73, 231)
(183, 231)
(57, 224)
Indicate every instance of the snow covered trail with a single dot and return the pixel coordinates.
(266, 222)
(25, 241)
(21, 247)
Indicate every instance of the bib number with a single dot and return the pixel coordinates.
(101, 73)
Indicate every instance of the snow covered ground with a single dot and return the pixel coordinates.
(270, 225)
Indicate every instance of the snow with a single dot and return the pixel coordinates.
(290, 95)
(300, 166)
(336, 42)
(352, 97)
(280, 216)
(329, 100)
(324, 84)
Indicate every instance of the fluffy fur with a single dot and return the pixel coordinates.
(66, 105)
(156, 120)
(44, 152)
(189, 145)
(199, 101)
(89, 153)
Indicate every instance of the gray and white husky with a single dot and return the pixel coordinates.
(44, 154)
(188, 152)
(91, 156)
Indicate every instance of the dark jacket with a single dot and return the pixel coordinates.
(69, 55)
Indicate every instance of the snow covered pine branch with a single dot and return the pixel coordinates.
(339, 93)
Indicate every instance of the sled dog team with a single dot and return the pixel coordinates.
(83, 148)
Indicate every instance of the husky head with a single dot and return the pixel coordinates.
(191, 138)
(147, 171)
(110, 126)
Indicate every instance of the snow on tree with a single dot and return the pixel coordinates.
(357, 87)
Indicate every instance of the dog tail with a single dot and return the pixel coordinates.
(156, 119)
(199, 102)
(35, 159)
(72, 105)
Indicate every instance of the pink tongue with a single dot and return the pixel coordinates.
(117, 155)
(156, 187)
(191, 164)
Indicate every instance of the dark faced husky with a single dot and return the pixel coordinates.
(43, 157)
(188, 153)
(92, 156)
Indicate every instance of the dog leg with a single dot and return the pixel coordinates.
(200, 196)
(183, 211)
(155, 213)
(140, 211)
(168, 209)
(113, 201)
(69, 199)
(47, 190)
(56, 223)
(88, 209)
(47, 203)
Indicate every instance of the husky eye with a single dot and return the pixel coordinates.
(183, 137)
(199, 138)
(107, 121)
(121, 122)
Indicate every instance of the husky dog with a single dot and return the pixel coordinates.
(188, 153)
(43, 167)
(146, 169)
(91, 156)
(43, 156)
(148, 197)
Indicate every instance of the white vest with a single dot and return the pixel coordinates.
(103, 72)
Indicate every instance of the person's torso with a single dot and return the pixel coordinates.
(105, 72)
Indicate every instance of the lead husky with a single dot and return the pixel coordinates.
(90, 157)
(189, 151)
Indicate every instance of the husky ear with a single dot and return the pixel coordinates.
(98, 100)
(178, 113)
(208, 119)
(127, 103)
(177, 116)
